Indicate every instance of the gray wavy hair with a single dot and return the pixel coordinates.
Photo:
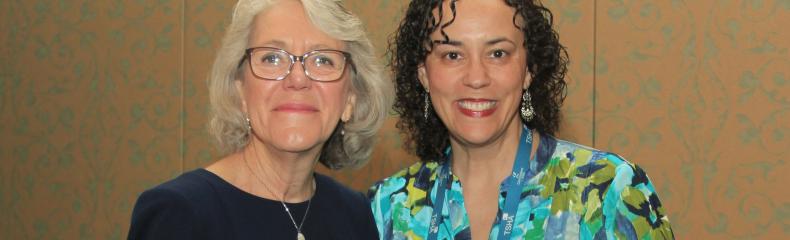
(373, 90)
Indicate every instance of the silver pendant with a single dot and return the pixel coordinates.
(299, 236)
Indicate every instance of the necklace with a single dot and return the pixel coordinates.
(299, 235)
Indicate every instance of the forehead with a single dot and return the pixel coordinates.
(476, 19)
(286, 25)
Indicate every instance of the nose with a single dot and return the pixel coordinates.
(476, 74)
(297, 79)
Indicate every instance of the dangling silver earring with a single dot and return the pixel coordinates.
(527, 112)
(427, 105)
(249, 125)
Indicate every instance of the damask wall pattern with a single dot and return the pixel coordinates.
(100, 100)
(91, 113)
(697, 93)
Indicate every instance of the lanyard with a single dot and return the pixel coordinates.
(513, 187)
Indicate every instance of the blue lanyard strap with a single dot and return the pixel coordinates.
(513, 185)
(443, 185)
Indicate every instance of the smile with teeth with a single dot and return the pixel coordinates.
(477, 105)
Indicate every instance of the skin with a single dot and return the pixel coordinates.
(475, 83)
(291, 119)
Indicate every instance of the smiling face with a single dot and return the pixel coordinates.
(294, 114)
(476, 79)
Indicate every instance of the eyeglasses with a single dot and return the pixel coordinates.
(323, 65)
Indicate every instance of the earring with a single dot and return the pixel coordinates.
(527, 112)
(427, 105)
(249, 125)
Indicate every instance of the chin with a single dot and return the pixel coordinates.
(296, 141)
(475, 137)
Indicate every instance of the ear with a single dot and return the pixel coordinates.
(348, 110)
(527, 80)
(423, 76)
(240, 90)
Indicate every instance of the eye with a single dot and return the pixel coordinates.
(322, 60)
(452, 56)
(271, 59)
(499, 53)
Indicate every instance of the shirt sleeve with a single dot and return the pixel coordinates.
(632, 209)
(370, 230)
(162, 214)
(376, 205)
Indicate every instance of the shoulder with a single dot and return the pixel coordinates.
(406, 189)
(602, 168)
(594, 172)
(349, 209)
(337, 190)
(171, 208)
(398, 194)
(626, 197)
(191, 186)
(418, 176)
(590, 161)
(342, 199)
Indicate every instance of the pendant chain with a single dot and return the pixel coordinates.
(282, 200)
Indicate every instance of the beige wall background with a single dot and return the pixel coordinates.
(100, 100)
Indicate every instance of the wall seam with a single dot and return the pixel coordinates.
(594, 68)
(182, 113)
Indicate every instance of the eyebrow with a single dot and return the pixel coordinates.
(275, 43)
(458, 43)
(448, 42)
(320, 46)
(498, 40)
(282, 45)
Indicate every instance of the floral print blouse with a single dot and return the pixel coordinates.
(574, 192)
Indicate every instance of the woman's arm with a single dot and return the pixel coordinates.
(632, 209)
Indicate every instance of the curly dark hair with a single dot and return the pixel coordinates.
(547, 62)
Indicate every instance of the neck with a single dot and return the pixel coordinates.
(488, 163)
(285, 176)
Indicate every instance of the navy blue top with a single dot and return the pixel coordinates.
(201, 205)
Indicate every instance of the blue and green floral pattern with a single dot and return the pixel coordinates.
(575, 192)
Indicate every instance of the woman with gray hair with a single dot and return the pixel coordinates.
(294, 83)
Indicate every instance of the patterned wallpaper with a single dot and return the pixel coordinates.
(100, 100)
(698, 93)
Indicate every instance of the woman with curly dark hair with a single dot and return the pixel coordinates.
(479, 90)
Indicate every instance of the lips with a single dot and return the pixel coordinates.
(476, 107)
(296, 107)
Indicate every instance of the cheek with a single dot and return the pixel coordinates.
(510, 76)
(257, 93)
(333, 98)
(442, 81)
